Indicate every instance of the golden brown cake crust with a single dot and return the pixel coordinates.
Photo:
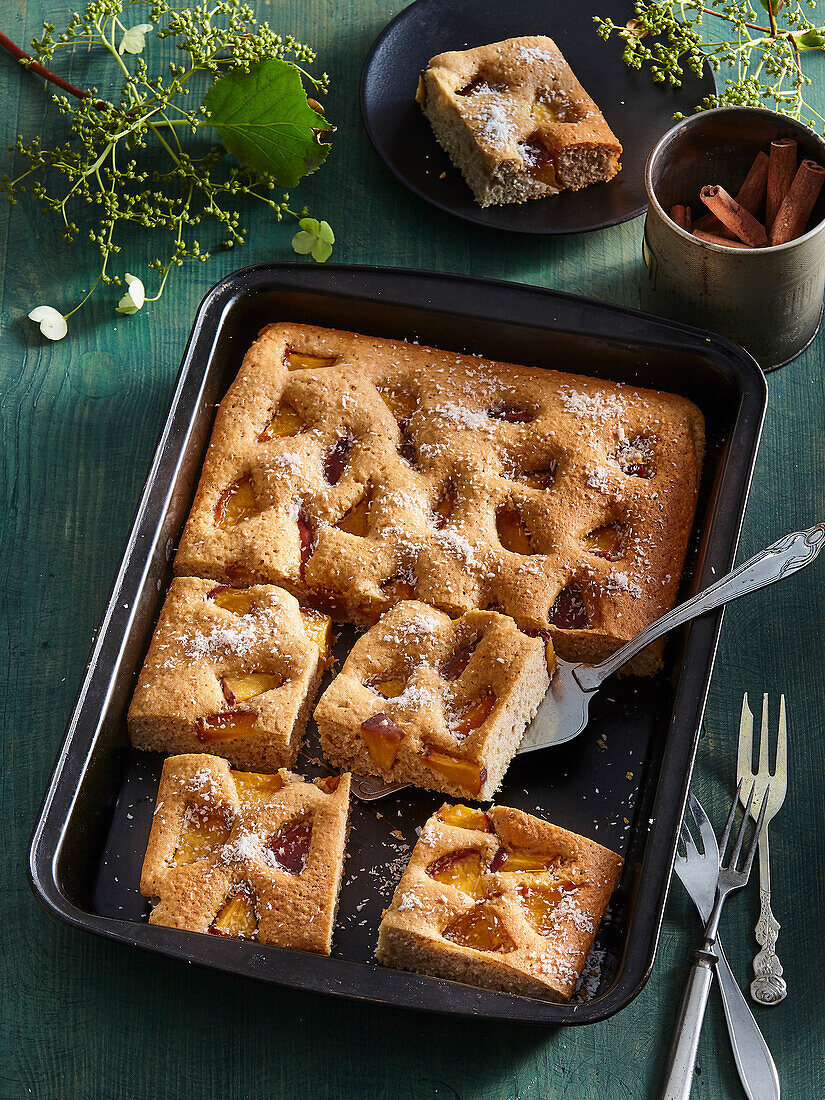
(516, 121)
(291, 910)
(547, 964)
(198, 648)
(417, 427)
(435, 678)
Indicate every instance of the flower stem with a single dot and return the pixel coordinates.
(41, 70)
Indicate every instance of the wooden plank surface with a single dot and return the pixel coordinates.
(85, 1018)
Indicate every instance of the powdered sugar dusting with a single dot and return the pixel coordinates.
(465, 417)
(238, 639)
(620, 582)
(533, 55)
(458, 545)
(592, 406)
(242, 849)
(601, 478)
(498, 128)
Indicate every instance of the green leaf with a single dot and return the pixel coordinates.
(263, 118)
(321, 250)
(303, 243)
(813, 39)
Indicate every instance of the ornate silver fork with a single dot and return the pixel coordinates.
(698, 872)
(768, 986)
(682, 1057)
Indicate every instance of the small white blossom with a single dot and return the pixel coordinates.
(134, 297)
(134, 38)
(52, 322)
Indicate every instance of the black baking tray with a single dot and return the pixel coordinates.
(623, 782)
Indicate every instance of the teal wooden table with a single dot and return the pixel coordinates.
(84, 1018)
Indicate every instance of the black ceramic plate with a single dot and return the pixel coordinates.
(638, 111)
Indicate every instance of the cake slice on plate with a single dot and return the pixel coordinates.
(516, 122)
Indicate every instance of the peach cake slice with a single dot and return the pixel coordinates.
(250, 855)
(516, 122)
(438, 702)
(233, 671)
(499, 899)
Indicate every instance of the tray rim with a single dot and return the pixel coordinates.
(330, 974)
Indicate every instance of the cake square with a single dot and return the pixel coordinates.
(230, 670)
(249, 855)
(433, 701)
(516, 122)
(499, 899)
(357, 472)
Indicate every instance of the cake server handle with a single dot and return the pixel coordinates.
(774, 563)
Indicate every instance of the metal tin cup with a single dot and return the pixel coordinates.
(769, 300)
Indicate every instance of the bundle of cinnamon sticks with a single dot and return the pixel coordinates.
(773, 205)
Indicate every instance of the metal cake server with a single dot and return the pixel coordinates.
(563, 713)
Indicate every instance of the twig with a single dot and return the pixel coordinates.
(35, 67)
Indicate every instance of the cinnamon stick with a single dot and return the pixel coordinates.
(714, 238)
(792, 216)
(682, 216)
(750, 195)
(781, 171)
(752, 192)
(739, 220)
(709, 223)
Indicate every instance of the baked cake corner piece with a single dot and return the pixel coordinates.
(516, 122)
(233, 671)
(249, 855)
(441, 703)
(499, 899)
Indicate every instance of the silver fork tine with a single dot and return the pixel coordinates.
(764, 738)
(723, 843)
(755, 839)
(781, 768)
(688, 841)
(745, 761)
(740, 836)
(705, 828)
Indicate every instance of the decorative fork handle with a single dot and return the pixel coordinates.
(768, 986)
(774, 563)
